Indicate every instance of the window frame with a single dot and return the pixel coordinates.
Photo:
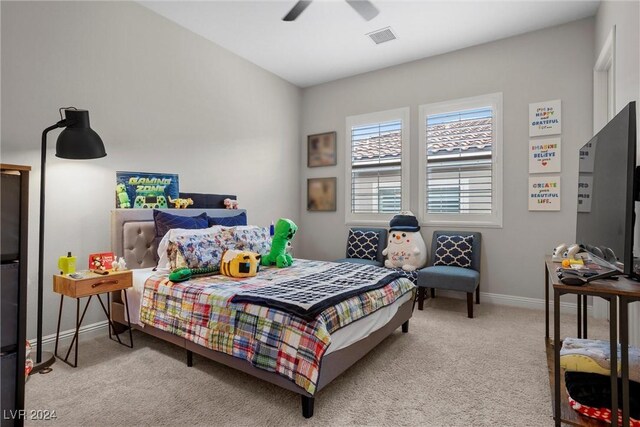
(493, 220)
(402, 114)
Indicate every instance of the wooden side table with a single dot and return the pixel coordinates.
(89, 286)
(623, 290)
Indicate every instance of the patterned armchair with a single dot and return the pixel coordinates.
(365, 246)
(454, 265)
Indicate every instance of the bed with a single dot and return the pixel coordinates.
(133, 235)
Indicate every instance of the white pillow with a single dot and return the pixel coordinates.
(174, 233)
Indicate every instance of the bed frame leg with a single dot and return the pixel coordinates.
(405, 327)
(189, 358)
(307, 406)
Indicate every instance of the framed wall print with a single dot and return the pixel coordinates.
(544, 155)
(321, 194)
(545, 118)
(544, 193)
(321, 150)
(145, 190)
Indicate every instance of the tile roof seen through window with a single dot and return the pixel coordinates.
(466, 135)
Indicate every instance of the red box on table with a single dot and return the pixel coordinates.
(101, 261)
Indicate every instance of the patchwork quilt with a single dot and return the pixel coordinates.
(202, 310)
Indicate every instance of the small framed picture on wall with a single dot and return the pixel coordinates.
(321, 150)
(544, 193)
(321, 194)
(545, 118)
(544, 155)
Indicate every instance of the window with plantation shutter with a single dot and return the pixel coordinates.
(377, 166)
(461, 179)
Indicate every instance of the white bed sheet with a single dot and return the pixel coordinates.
(340, 339)
(364, 327)
(134, 294)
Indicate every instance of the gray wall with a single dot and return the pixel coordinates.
(625, 15)
(543, 65)
(626, 18)
(163, 100)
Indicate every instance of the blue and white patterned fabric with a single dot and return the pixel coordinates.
(322, 286)
(454, 251)
(252, 238)
(200, 250)
(363, 244)
(411, 275)
(205, 249)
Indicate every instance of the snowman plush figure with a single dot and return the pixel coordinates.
(406, 248)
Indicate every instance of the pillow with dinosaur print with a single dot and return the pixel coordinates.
(201, 250)
(251, 238)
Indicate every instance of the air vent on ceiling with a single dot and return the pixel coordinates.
(382, 35)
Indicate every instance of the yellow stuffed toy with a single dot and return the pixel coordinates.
(181, 203)
(239, 264)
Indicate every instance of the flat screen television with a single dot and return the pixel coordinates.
(607, 190)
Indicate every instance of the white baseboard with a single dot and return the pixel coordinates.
(513, 301)
(87, 331)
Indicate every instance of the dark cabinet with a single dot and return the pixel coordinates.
(10, 293)
(14, 190)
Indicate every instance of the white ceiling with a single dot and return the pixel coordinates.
(328, 42)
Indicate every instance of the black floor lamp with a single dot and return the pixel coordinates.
(77, 141)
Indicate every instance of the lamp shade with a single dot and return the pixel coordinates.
(78, 140)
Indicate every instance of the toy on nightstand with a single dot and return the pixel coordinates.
(181, 203)
(119, 265)
(406, 248)
(96, 263)
(230, 204)
(284, 231)
(123, 197)
(67, 264)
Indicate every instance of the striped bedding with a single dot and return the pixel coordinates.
(202, 311)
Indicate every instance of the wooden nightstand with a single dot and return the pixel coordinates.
(89, 286)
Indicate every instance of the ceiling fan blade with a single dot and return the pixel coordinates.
(296, 10)
(365, 8)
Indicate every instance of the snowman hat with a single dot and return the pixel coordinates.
(404, 221)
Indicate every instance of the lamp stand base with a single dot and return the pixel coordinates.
(48, 359)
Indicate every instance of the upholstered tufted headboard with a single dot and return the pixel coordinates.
(133, 233)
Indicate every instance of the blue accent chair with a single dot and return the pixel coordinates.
(450, 277)
(382, 241)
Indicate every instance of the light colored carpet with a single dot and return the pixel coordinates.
(448, 370)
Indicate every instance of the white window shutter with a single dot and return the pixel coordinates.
(376, 168)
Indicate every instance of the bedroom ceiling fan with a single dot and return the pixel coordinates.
(365, 8)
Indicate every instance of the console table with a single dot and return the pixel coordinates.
(623, 290)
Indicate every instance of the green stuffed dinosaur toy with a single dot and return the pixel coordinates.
(182, 274)
(284, 231)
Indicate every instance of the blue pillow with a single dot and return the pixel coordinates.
(363, 244)
(229, 221)
(454, 251)
(165, 221)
